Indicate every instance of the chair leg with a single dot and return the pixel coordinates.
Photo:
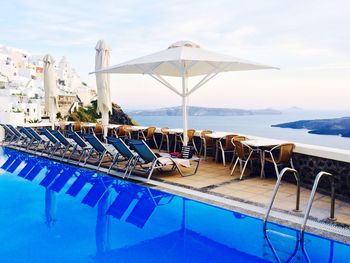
(155, 141)
(167, 143)
(115, 158)
(64, 152)
(101, 159)
(232, 160)
(73, 151)
(151, 171)
(201, 148)
(234, 166)
(223, 157)
(161, 143)
(276, 169)
(194, 146)
(133, 166)
(82, 156)
(87, 157)
(128, 165)
(243, 170)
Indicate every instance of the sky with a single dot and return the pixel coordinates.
(308, 40)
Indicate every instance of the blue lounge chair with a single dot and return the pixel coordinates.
(122, 202)
(124, 154)
(99, 149)
(55, 143)
(148, 161)
(34, 172)
(142, 211)
(27, 168)
(51, 175)
(78, 184)
(98, 189)
(14, 165)
(144, 208)
(61, 180)
(67, 144)
(8, 162)
(81, 146)
(38, 139)
(18, 136)
(29, 138)
(9, 135)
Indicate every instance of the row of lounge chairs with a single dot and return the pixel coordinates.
(130, 156)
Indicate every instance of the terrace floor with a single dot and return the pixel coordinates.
(214, 178)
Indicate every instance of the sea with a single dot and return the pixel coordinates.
(258, 125)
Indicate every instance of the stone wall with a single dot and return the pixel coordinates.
(309, 166)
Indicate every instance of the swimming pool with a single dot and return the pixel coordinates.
(52, 212)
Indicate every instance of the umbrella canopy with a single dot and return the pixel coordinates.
(184, 59)
(104, 103)
(50, 87)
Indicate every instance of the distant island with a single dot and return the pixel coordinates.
(202, 111)
(337, 126)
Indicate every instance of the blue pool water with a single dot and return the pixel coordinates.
(52, 212)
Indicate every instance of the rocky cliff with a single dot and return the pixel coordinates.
(89, 114)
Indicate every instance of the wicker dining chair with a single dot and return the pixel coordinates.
(77, 127)
(98, 130)
(225, 145)
(165, 136)
(236, 138)
(148, 135)
(124, 132)
(279, 155)
(206, 143)
(190, 135)
(245, 154)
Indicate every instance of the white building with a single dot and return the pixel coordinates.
(22, 88)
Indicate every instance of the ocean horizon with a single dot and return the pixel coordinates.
(258, 125)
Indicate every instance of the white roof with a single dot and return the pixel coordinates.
(180, 55)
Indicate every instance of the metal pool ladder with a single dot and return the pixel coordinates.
(275, 190)
(297, 203)
(312, 195)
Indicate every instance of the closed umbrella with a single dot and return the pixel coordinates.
(104, 103)
(50, 88)
(183, 59)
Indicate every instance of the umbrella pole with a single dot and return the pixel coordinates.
(185, 108)
(105, 122)
(52, 113)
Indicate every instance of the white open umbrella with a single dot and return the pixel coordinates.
(104, 103)
(50, 88)
(184, 59)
